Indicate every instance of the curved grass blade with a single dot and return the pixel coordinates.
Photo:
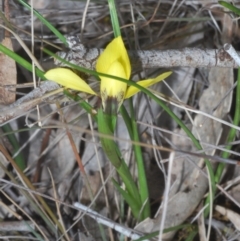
(44, 21)
(21, 61)
(19, 159)
(230, 7)
(142, 179)
(114, 18)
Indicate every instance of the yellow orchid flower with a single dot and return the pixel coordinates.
(114, 61)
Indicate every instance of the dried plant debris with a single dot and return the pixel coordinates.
(232, 216)
(191, 184)
(172, 33)
(8, 75)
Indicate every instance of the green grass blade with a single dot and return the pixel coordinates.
(135, 207)
(175, 228)
(85, 105)
(230, 138)
(32, 202)
(34, 232)
(110, 147)
(21, 61)
(230, 7)
(19, 159)
(232, 132)
(191, 236)
(114, 18)
(44, 21)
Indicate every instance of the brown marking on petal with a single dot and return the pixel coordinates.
(111, 104)
(104, 98)
(120, 97)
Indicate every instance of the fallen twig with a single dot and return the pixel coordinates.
(186, 57)
(29, 101)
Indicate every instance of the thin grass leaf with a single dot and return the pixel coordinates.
(19, 159)
(230, 138)
(129, 200)
(175, 228)
(21, 61)
(191, 236)
(232, 132)
(230, 7)
(5, 20)
(44, 21)
(33, 203)
(127, 120)
(114, 18)
(37, 235)
(109, 146)
(39, 198)
(85, 105)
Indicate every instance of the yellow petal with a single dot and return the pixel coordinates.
(115, 51)
(111, 88)
(68, 79)
(131, 90)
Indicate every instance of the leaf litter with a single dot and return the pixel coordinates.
(189, 185)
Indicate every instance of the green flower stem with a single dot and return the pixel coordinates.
(142, 179)
(113, 153)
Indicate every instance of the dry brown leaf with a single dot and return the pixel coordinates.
(232, 216)
(234, 192)
(4, 162)
(201, 226)
(190, 184)
(8, 75)
(182, 204)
